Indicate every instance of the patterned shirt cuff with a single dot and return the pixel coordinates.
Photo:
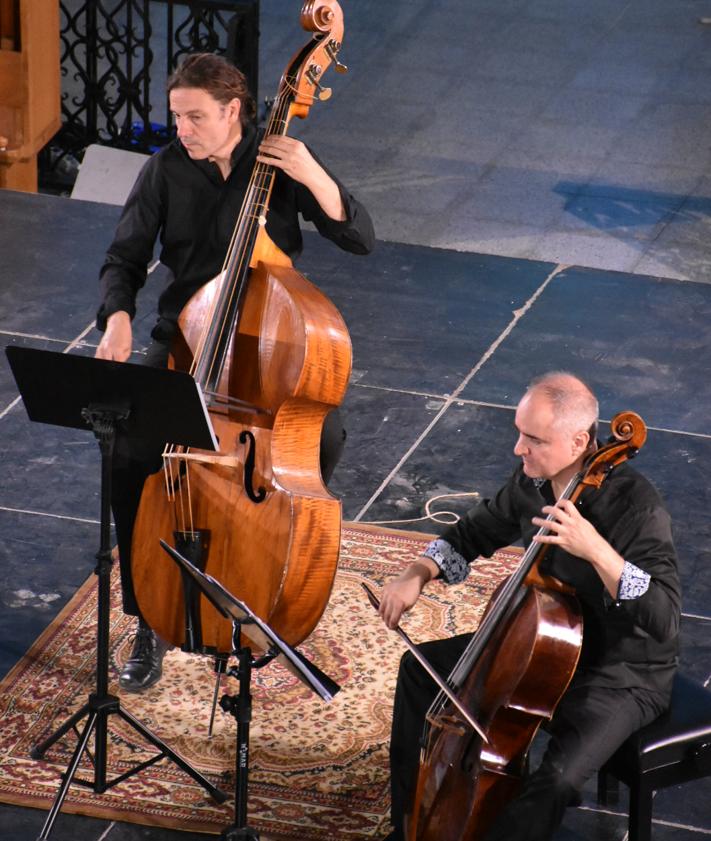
(634, 582)
(452, 565)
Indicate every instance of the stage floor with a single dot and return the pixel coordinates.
(444, 343)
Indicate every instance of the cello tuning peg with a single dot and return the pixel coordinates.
(323, 93)
(341, 68)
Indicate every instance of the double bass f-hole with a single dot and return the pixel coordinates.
(247, 437)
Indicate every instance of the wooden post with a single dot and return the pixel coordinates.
(30, 104)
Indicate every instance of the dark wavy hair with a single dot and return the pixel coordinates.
(219, 77)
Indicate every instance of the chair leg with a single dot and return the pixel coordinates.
(640, 825)
(608, 788)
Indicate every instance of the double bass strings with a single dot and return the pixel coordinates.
(260, 183)
(251, 215)
(235, 267)
(213, 343)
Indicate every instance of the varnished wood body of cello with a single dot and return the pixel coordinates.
(517, 684)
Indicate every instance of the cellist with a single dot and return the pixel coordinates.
(188, 196)
(615, 548)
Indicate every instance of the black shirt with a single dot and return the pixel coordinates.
(193, 210)
(626, 641)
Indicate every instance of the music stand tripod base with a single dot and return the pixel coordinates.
(240, 705)
(86, 393)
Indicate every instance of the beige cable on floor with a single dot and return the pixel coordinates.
(436, 516)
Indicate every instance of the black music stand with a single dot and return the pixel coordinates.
(240, 705)
(145, 403)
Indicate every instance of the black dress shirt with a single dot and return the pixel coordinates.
(192, 209)
(627, 641)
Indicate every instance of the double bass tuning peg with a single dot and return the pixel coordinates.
(312, 75)
(333, 48)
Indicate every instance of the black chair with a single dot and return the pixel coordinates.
(673, 749)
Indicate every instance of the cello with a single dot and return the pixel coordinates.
(510, 678)
(272, 357)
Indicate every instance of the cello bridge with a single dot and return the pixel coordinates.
(450, 723)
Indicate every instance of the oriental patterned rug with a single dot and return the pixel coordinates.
(317, 771)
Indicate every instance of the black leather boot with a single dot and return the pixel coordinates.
(145, 665)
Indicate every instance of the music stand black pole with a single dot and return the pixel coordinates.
(78, 391)
(240, 705)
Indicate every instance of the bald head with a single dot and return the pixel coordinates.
(556, 420)
(574, 406)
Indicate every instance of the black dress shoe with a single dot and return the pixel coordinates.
(145, 665)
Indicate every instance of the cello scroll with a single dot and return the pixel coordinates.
(629, 434)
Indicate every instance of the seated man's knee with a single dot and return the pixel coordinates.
(410, 672)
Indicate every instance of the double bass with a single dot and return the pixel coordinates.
(510, 678)
(272, 357)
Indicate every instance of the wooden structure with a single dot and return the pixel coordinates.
(30, 103)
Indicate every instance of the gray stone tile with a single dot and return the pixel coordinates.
(668, 146)
(670, 182)
(517, 205)
(595, 108)
(488, 236)
(617, 76)
(621, 216)
(593, 249)
(688, 82)
(669, 259)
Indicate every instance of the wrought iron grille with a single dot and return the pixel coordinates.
(117, 56)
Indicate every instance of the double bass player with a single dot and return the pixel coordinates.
(615, 548)
(188, 197)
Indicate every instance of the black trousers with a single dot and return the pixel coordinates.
(588, 726)
(132, 466)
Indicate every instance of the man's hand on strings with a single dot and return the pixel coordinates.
(400, 594)
(117, 341)
(289, 154)
(294, 158)
(569, 530)
(577, 536)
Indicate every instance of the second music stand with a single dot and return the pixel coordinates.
(240, 705)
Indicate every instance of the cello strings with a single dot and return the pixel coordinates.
(502, 602)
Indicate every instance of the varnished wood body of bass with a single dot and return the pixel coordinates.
(290, 357)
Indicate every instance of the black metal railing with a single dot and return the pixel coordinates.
(116, 57)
